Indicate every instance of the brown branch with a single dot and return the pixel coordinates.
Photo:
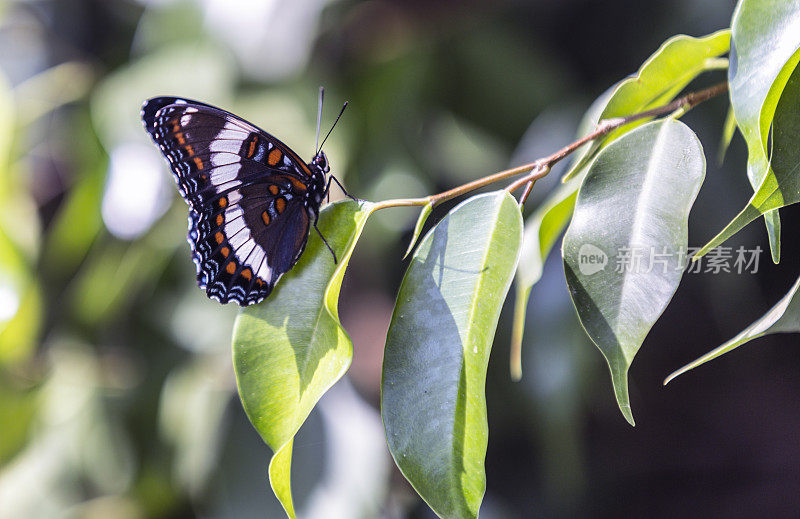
(541, 167)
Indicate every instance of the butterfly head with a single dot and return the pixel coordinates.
(320, 162)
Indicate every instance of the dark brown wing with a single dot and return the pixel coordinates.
(247, 221)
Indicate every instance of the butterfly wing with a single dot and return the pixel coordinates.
(248, 217)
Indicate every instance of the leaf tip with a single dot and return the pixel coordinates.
(518, 327)
(619, 379)
(628, 414)
(671, 377)
(409, 249)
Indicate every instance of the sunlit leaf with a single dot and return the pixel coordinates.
(542, 230)
(423, 217)
(728, 129)
(673, 66)
(624, 249)
(437, 351)
(784, 317)
(288, 350)
(766, 39)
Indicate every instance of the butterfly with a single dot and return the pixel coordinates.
(252, 199)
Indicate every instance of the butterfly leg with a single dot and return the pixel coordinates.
(328, 188)
(325, 242)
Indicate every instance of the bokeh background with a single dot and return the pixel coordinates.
(117, 396)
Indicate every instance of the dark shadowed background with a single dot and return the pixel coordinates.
(117, 395)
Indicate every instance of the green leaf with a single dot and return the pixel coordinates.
(765, 43)
(784, 317)
(674, 65)
(290, 349)
(437, 351)
(632, 210)
(423, 217)
(781, 186)
(542, 230)
(728, 129)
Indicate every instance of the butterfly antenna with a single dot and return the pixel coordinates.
(319, 117)
(333, 126)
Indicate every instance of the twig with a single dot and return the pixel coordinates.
(541, 167)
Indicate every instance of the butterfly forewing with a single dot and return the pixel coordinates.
(249, 214)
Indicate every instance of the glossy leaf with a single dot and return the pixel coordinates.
(766, 39)
(674, 65)
(437, 351)
(542, 230)
(624, 249)
(545, 225)
(784, 317)
(288, 350)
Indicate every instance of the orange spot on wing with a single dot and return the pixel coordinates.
(274, 156)
(280, 205)
(198, 163)
(299, 185)
(219, 237)
(179, 136)
(176, 126)
(223, 202)
(247, 274)
(225, 251)
(274, 189)
(259, 282)
(265, 217)
(231, 268)
(252, 150)
(189, 150)
(220, 219)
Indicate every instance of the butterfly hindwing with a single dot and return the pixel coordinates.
(248, 217)
(245, 243)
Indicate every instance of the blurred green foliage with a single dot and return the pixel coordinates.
(116, 385)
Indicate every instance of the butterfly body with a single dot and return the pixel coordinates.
(252, 200)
